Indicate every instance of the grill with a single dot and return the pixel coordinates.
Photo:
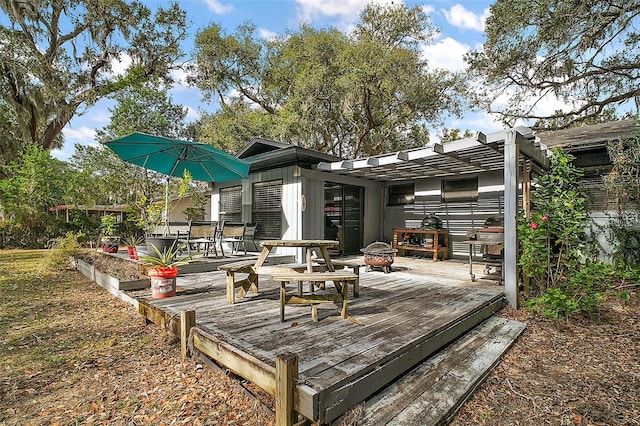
(492, 233)
(379, 255)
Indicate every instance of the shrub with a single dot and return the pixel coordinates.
(62, 249)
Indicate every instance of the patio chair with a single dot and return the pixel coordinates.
(249, 235)
(232, 233)
(201, 233)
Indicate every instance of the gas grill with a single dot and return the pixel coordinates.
(490, 238)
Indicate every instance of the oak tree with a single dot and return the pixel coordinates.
(362, 93)
(59, 58)
(585, 53)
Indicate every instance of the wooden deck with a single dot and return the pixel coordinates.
(398, 321)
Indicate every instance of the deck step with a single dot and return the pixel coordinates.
(432, 393)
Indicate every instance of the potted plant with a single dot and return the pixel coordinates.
(163, 270)
(132, 241)
(109, 240)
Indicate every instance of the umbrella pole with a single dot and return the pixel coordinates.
(166, 207)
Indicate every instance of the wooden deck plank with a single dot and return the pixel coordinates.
(405, 317)
(354, 382)
(434, 390)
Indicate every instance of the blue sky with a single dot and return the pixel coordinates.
(461, 26)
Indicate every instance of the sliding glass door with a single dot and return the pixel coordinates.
(343, 210)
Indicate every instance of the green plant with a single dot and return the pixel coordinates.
(133, 240)
(109, 225)
(582, 292)
(622, 184)
(62, 249)
(164, 259)
(556, 249)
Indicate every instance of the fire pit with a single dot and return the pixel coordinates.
(380, 255)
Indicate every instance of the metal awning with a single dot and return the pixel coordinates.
(477, 154)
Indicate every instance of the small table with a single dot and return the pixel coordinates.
(434, 236)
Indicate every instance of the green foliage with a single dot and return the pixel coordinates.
(58, 58)
(587, 53)
(350, 95)
(63, 248)
(554, 239)
(109, 225)
(556, 251)
(582, 292)
(164, 259)
(133, 240)
(622, 183)
(35, 183)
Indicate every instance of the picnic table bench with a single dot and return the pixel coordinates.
(355, 266)
(340, 279)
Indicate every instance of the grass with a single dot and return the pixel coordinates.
(71, 353)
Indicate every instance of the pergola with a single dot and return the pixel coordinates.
(515, 151)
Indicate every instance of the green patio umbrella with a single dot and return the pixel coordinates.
(173, 156)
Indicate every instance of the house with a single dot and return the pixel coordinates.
(296, 193)
(588, 144)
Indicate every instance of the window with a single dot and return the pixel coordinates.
(459, 190)
(231, 204)
(267, 209)
(399, 195)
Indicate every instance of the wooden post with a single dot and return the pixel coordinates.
(286, 380)
(187, 322)
(526, 206)
(510, 259)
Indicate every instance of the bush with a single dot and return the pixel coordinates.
(62, 249)
(556, 249)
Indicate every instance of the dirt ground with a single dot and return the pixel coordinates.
(73, 354)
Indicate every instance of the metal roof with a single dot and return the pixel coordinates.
(477, 154)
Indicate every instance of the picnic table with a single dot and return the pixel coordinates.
(302, 272)
(341, 279)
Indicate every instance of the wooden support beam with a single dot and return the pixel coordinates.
(156, 315)
(236, 360)
(187, 322)
(510, 256)
(286, 380)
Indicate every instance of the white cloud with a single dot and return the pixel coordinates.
(446, 53)
(428, 9)
(460, 17)
(179, 77)
(348, 10)
(217, 7)
(192, 113)
(267, 34)
(99, 117)
(82, 135)
(121, 65)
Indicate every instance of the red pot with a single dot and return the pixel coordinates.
(133, 252)
(163, 282)
(109, 248)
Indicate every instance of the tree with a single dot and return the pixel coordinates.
(35, 183)
(59, 56)
(622, 183)
(233, 125)
(586, 53)
(348, 95)
(145, 108)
